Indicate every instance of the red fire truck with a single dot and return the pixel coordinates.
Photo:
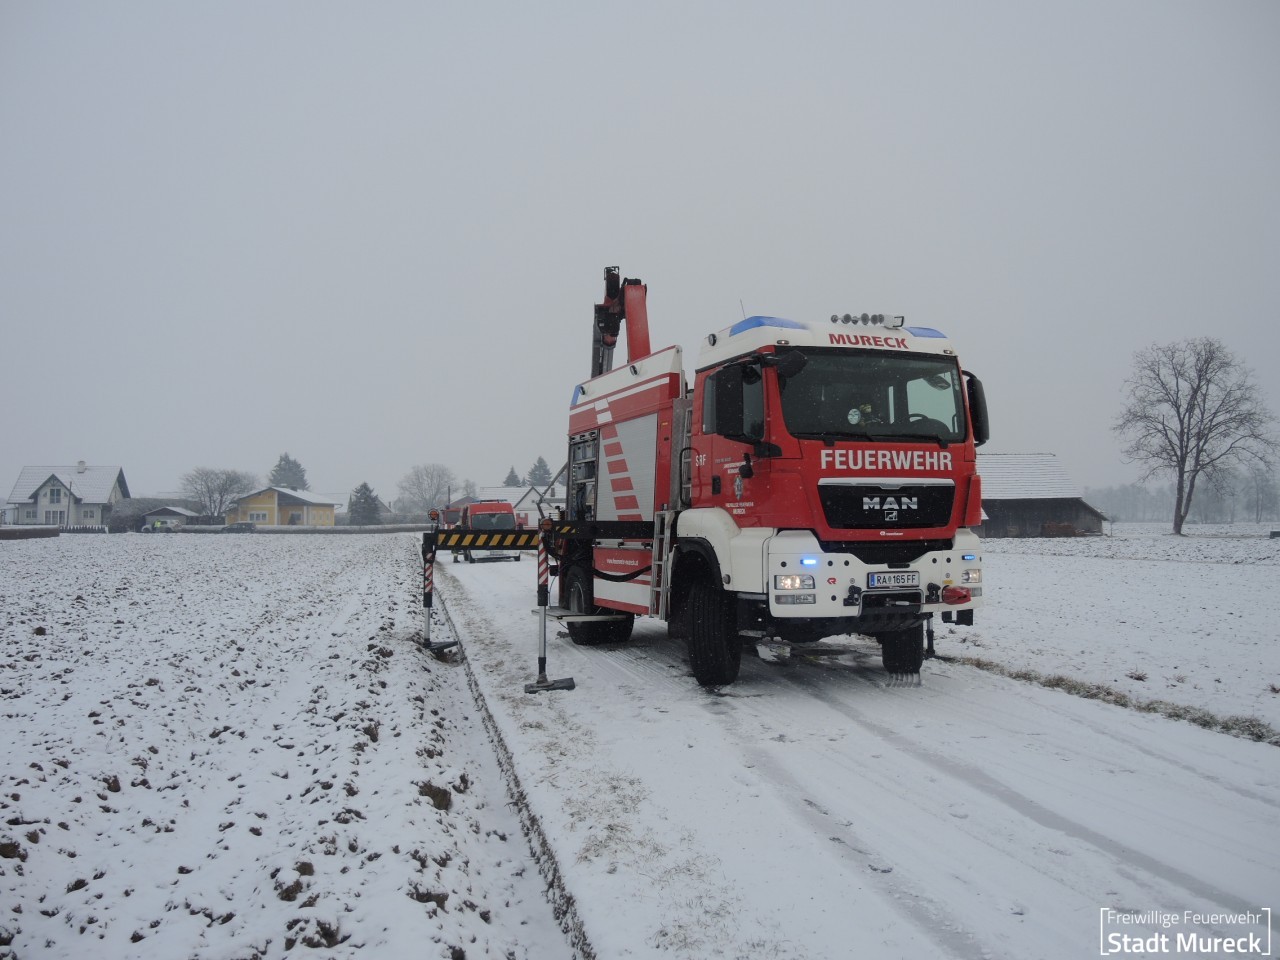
(488, 516)
(814, 479)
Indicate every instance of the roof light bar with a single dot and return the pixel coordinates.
(868, 319)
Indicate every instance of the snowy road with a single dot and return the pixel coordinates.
(810, 810)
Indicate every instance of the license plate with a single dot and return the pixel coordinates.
(907, 578)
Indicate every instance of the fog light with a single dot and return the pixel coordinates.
(971, 576)
(793, 598)
(955, 595)
(793, 581)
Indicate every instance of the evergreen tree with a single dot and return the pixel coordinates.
(539, 474)
(288, 472)
(363, 508)
(513, 479)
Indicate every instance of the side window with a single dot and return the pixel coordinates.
(733, 403)
(936, 398)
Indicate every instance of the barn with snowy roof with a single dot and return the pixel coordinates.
(1031, 495)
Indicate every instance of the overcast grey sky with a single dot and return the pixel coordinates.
(371, 234)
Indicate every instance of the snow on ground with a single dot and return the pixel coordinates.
(228, 747)
(1194, 620)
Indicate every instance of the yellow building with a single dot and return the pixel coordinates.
(282, 507)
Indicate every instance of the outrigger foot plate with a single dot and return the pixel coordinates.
(440, 645)
(542, 683)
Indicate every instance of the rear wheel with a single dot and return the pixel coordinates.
(715, 650)
(902, 651)
(580, 599)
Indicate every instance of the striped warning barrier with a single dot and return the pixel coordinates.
(459, 539)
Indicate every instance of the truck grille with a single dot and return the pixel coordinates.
(867, 507)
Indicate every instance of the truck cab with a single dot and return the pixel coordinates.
(836, 465)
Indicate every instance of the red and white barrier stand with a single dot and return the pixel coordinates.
(544, 590)
(428, 591)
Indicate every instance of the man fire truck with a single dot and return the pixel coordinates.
(488, 515)
(819, 478)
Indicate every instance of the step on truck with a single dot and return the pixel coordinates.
(808, 479)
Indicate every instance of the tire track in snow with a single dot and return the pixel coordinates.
(1134, 860)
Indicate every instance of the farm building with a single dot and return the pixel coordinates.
(169, 518)
(1031, 495)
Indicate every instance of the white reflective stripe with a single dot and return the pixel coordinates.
(633, 591)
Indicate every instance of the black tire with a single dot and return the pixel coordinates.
(715, 649)
(902, 652)
(579, 597)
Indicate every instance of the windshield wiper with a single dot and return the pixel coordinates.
(831, 436)
(913, 438)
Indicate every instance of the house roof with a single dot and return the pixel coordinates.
(532, 495)
(510, 494)
(1025, 476)
(172, 511)
(88, 484)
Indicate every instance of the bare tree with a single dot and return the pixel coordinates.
(425, 486)
(1192, 411)
(214, 489)
(1262, 494)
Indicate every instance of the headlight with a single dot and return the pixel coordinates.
(793, 581)
(971, 576)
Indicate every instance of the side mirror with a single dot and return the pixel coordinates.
(977, 409)
(789, 363)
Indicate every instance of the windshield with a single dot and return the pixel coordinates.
(864, 394)
(492, 521)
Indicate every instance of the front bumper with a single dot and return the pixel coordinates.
(937, 581)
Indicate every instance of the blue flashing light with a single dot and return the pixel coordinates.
(752, 322)
(926, 332)
(808, 561)
(971, 556)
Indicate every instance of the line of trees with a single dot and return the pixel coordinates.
(425, 487)
(539, 475)
(1237, 496)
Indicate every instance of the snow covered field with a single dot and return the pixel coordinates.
(226, 747)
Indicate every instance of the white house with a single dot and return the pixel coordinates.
(66, 496)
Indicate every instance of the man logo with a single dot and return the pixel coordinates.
(891, 503)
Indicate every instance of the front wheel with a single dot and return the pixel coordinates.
(580, 599)
(715, 650)
(902, 651)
